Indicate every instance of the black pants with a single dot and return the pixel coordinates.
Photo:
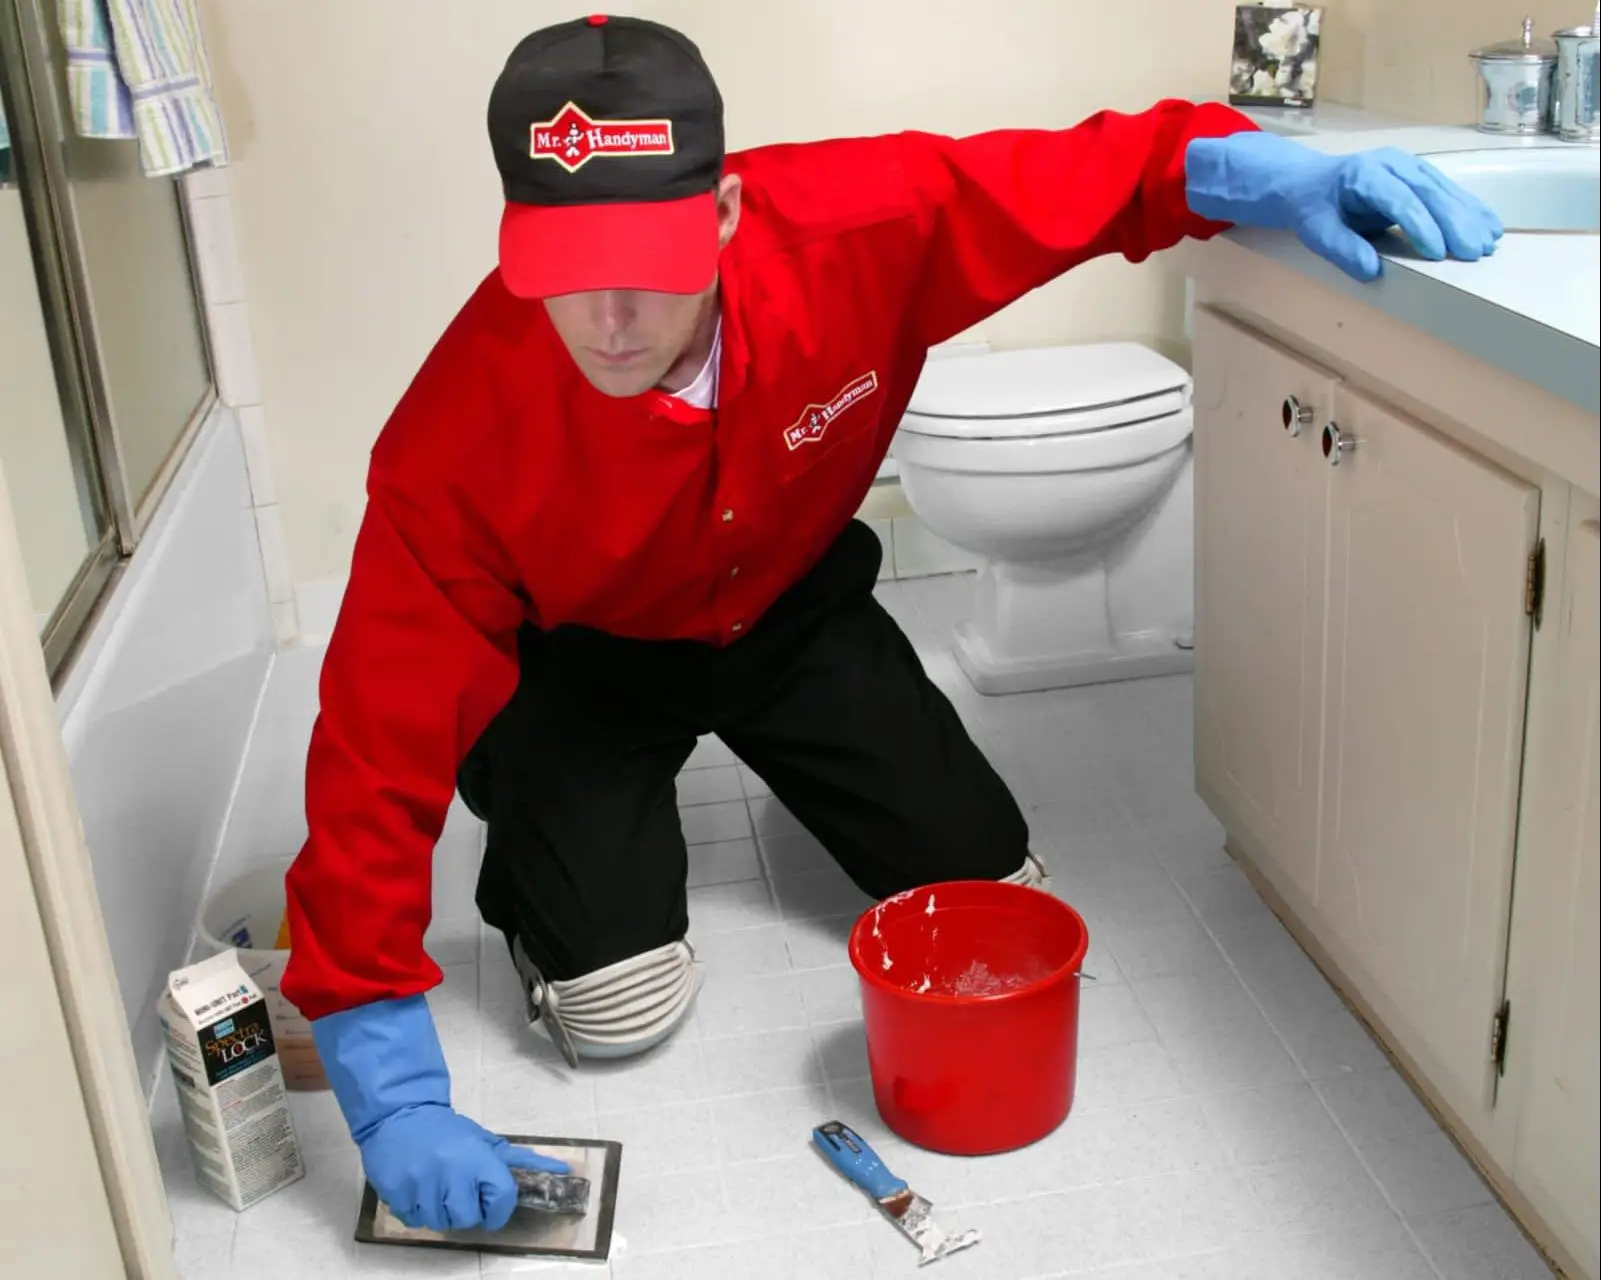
(824, 699)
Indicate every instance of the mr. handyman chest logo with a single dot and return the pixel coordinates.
(814, 421)
(572, 138)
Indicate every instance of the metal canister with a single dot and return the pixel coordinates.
(1515, 82)
(1575, 116)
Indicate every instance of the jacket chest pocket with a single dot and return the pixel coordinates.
(831, 433)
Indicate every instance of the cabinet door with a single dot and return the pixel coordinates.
(1427, 677)
(1261, 499)
(1556, 1045)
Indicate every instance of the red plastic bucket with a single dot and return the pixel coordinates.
(970, 999)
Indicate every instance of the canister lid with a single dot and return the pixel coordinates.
(1524, 49)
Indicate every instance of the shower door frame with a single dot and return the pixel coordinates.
(39, 124)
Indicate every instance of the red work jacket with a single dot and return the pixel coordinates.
(504, 488)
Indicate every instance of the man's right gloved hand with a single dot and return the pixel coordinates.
(433, 1167)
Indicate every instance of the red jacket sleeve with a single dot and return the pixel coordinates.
(423, 654)
(1007, 211)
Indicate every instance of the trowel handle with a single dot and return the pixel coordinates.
(848, 1152)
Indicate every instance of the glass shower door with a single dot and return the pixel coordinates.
(47, 451)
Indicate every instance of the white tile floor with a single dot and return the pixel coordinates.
(1233, 1121)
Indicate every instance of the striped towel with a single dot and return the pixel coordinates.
(138, 69)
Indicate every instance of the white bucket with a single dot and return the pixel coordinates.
(244, 915)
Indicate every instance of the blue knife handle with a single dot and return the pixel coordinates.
(848, 1152)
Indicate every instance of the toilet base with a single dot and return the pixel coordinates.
(1134, 658)
(1061, 623)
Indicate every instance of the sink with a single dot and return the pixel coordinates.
(1531, 188)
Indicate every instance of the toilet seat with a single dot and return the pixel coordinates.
(1062, 391)
(1070, 450)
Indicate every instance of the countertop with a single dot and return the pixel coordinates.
(1532, 309)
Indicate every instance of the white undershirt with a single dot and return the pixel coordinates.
(702, 393)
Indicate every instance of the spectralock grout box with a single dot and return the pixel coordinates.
(230, 1084)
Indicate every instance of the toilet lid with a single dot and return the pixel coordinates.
(1046, 391)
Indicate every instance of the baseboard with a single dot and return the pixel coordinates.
(317, 609)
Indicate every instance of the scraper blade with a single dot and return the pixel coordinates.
(848, 1152)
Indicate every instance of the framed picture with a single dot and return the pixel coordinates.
(1275, 56)
(530, 1233)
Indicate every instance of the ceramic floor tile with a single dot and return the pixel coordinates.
(841, 1049)
(1188, 1004)
(820, 942)
(1125, 1074)
(1196, 1149)
(1243, 1055)
(1261, 1126)
(319, 1123)
(386, 1262)
(716, 823)
(794, 854)
(772, 818)
(1217, 892)
(1099, 968)
(1426, 1173)
(493, 1268)
(798, 1190)
(754, 951)
(1326, 1256)
(1226, 1265)
(1111, 1016)
(732, 1004)
(673, 1212)
(1328, 1042)
(830, 995)
(203, 1257)
(668, 1139)
(1171, 948)
(763, 1126)
(546, 1098)
(709, 753)
(714, 785)
(818, 893)
(751, 783)
(726, 862)
(1374, 1107)
(761, 1062)
(730, 906)
(1482, 1243)
(1317, 1192)
(671, 1072)
(1120, 1143)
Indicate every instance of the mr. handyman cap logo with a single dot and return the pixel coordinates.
(572, 138)
(814, 421)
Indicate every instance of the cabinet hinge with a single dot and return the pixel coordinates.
(1498, 1035)
(1534, 584)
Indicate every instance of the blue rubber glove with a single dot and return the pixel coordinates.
(433, 1167)
(1258, 179)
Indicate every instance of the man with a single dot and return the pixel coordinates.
(614, 512)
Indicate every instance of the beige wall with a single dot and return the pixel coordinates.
(366, 201)
(1409, 58)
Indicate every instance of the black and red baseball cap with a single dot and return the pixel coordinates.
(608, 133)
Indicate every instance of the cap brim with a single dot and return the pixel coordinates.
(666, 247)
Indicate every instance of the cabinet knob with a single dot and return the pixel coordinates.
(1296, 415)
(1336, 444)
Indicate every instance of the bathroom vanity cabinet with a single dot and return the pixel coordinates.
(1396, 698)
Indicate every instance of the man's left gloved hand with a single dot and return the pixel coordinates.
(1257, 179)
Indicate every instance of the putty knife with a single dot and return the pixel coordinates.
(848, 1152)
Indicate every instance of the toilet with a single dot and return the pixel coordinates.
(1068, 471)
